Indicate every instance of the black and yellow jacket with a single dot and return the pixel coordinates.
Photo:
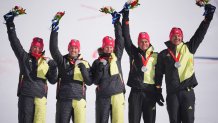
(33, 73)
(72, 79)
(108, 78)
(184, 76)
(138, 80)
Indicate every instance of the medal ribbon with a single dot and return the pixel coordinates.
(145, 61)
(72, 61)
(176, 59)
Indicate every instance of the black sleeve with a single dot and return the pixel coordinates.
(119, 41)
(86, 73)
(97, 72)
(53, 46)
(198, 37)
(159, 69)
(130, 48)
(14, 41)
(52, 74)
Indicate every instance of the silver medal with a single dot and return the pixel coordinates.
(177, 64)
(144, 68)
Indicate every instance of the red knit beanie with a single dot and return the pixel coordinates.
(175, 30)
(74, 43)
(37, 42)
(107, 41)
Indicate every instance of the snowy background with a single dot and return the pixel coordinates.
(84, 22)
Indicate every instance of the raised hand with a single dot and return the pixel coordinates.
(55, 21)
(17, 10)
(115, 17)
(209, 11)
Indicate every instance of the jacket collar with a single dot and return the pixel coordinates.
(147, 51)
(79, 57)
(172, 46)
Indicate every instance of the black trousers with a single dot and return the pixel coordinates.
(181, 106)
(141, 102)
(64, 111)
(103, 110)
(110, 106)
(26, 109)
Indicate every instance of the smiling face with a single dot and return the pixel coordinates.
(37, 45)
(108, 44)
(73, 51)
(176, 39)
(36, 49)
(108, 49)
(143, 41)
(143, 44)
(74, 48)
(176, 36)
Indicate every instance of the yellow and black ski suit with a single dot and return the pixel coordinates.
(143, 91)
(180, 81)
(71, 88)
(110, 86)
(32, 87)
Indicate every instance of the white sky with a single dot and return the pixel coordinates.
(84, 22)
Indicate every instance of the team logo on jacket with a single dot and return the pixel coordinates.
(190, 107)
(154, 108)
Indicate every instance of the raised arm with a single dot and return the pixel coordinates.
(55, 52)
(12, 36)
(53, 46)
(129, 46)
(198, 37)
(119, 40)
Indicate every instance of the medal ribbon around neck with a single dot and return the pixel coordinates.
(176, 59)
(145, 61)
